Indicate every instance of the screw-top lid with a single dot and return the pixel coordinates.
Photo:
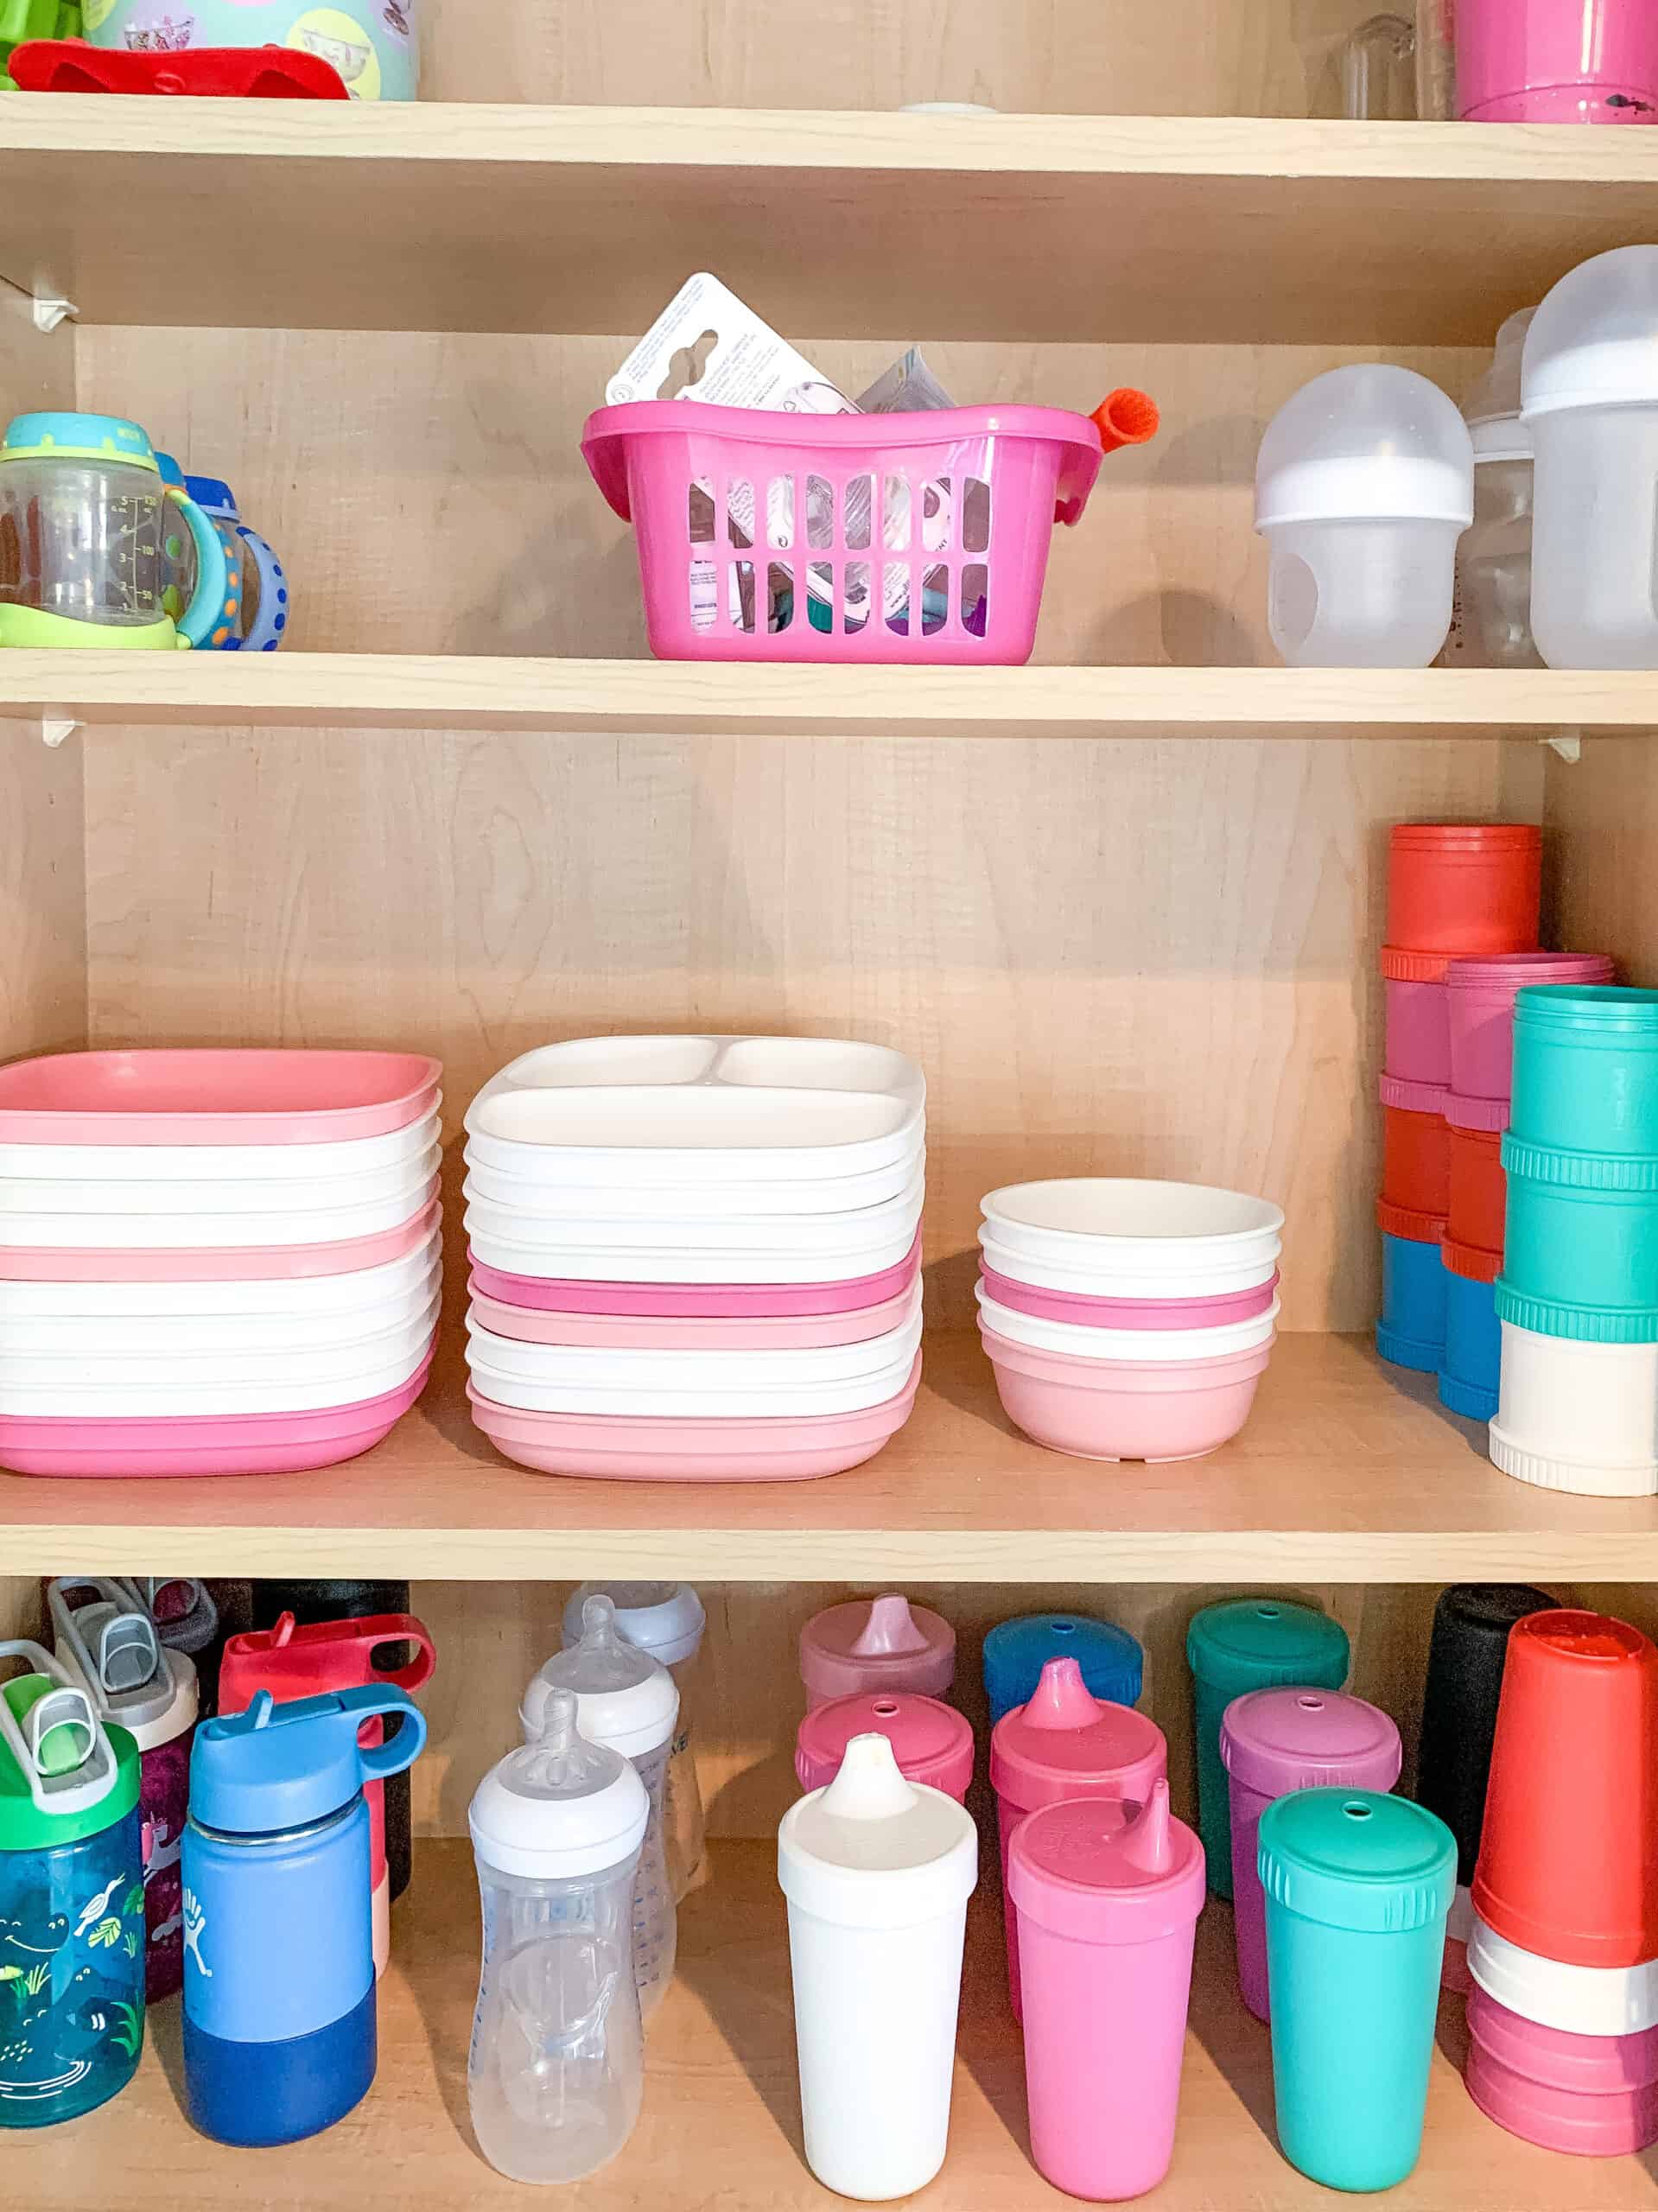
(276, 1767)
(875, 1851)
(1465, 841)
(932, 1742)
(1587, 1010)
(1485, 1116)
(1274, 1741)
(110, 1645)
(1492, 408)
(877, 1643)
(1515, 971)
(1016, 1651)
(1067, 1743)
(1400, 965)
(1250, 1643)
(1412, 1097)
(624, 1699)
(63, 1773)
(1107, 1873)
(299, 1659)
(186, 1618)
(1594, 340)
(561, 1807)
(1367, 442)
(664, 1618)
(214, 496)
(1357, 1859)
(57, 435)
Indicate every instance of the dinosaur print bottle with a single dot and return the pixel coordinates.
(72, 1898)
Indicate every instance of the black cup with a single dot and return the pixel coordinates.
(1464, 1680)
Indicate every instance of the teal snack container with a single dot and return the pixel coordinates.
(1581, 1229)
(1248, 1643)
(1358, 1886)
(1585, 1069)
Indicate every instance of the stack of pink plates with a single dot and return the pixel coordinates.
(695, 1258)
(215, 1261)
(1128, 1320)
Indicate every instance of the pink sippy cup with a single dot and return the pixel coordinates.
(1066, 1743)
(876, 1643)
(1108, 1899)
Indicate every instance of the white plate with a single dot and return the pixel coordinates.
(558, 1366)
(194, 1163)
(546, 1186)
(136, 1197)
(301, 1394)
(229, 1369)
(1119, 1222)
(797, 1403)
(214, 1232)
(639, 1264)
(827, 1236)
(300, 1298)
(185, 1336)
(1125, 1279)
(1148, 1346)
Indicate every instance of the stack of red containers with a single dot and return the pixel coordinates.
(1563, 1947)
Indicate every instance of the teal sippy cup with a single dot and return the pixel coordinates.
(1358, 1886)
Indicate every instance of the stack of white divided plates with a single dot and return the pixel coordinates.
(695, 1258)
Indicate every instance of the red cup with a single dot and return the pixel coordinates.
(1415, 1152)
(1568, 1856)
(1465, 887)
(1479, 1190)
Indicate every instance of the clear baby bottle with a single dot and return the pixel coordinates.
(1363, 484)
(1490, 623)
(627, 1703)
(556, 2068)
(1588, 396)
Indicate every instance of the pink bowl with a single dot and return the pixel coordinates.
(238, 1264)
(219, 1095)
(1083, 1311)
(252, 1444)
(618, 1449)
(1116, 1410)
(731, 1301)
(781, 1332)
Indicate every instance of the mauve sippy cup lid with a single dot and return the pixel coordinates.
(875, 1643)
(1276, 1740)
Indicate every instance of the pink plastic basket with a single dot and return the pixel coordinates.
(888, 538)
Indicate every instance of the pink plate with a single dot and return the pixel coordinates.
(729, 1301)
(237, 1263)
(1081, 1311)
(1114, 1409)
(780, 1332)
(220, 1094)
(252, 1444)
(624, 1449)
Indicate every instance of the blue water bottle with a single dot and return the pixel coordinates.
(1016, 1651)
(279, 2037)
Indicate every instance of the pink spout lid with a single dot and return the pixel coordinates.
(932, 1742)
(1276, 1740)
(1067, 1743)
(874, 1643)
(1104, 1873)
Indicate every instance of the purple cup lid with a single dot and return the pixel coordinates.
(1514, 971)
(1276, 1740)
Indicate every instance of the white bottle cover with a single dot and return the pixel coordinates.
(664, 1618)
(877, 1871)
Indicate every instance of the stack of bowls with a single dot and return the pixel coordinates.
(1479, 1000)
(1126, 1320)
(1577, 1297)
(695, 1258)
(214, 1261)
(1454, 890)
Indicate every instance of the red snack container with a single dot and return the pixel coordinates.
(1479, 1189)
(1415, 1148)
(1464, 886)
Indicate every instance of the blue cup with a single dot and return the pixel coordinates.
(1016, 1651)
(1411, 1332)
(1473, 1348)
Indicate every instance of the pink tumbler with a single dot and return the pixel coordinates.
(1557, 62)
(1274, 1741)
(1109, 1907)
(876, 1643)
(932, 1742)
(1066, 1743)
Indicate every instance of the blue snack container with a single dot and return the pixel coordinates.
(1016, 1651)
(1358, 1886)
(279, 2020)
(1472, 1362)
(1411, 1332)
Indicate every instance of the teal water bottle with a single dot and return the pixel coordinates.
(1248, 1643)
(1358, 1886)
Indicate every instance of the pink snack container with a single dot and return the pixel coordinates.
(1480, 996)
(1557, 62)
(1066, 1743)
(932, 1742)
(1416, 1042)
(1595, 2095)
(1108, 1899)
(876, 1643)
(1274, 1741)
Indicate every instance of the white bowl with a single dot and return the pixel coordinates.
(195, 1163)
(530, 1182)
(214, 1232)
(1120, 1224)
(276, 1297)
(555, 1366)
(136, 1197)
(299, 1392)
(853, 1394)
(1143, 1344)
(1126, 1278)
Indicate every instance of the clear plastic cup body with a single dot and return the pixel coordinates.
(88, 540)
(555, 2071)
(1360, 592)
(656, 1925)
(1490, 623)
(1594, 588)
(684, 1820)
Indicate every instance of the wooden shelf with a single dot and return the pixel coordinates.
(644, 697)
(721, 2118)
(1025, 227)
(1348, 1472)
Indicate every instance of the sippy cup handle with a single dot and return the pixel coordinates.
(206, 609)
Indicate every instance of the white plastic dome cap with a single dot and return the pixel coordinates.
(1492, 409)
(1370, 443)
(625, 1699)
(1594, 341)
(561, 1807)
(664, 1618)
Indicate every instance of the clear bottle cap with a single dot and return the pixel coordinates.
(625, 1699)
(1594, 340)
(1371, 443)
(560, 1807)
(1492, 408)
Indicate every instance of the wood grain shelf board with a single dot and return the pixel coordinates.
(720, 2122)
(403, 690)
(1348, 1472)
(1021, 227)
